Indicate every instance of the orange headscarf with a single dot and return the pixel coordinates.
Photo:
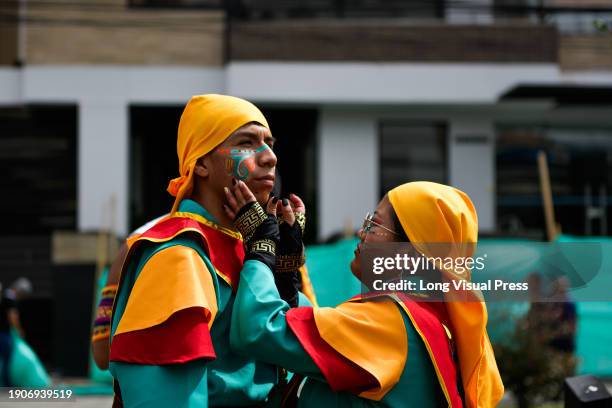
(433, 213)
(205, 123)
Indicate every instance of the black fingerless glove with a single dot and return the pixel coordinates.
(288, 284)
(289, 258)
(260, 234)
(290, 251)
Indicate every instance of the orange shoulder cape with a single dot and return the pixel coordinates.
(173, 302)
(342, 340)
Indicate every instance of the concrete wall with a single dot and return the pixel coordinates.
(384, 83)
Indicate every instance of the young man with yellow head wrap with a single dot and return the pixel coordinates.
(393, 353)
(172, 311)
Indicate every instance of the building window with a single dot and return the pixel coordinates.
(412, 152)
(38, 162)
(580, 168)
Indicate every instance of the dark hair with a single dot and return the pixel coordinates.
(397, 227)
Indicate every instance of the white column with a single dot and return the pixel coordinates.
(472, 165)
(103, 165)
(11, 82)
(348, 169)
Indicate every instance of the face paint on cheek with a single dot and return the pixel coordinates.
(240, 163)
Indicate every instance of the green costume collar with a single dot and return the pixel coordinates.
(191, 206)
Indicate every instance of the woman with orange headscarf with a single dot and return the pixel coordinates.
(393, 352)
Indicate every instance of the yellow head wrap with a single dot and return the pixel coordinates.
(433, 213)
(205, 123)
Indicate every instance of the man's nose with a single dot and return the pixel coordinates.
(267, 158)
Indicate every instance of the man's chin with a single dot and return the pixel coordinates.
(262, 196)
(260, 188)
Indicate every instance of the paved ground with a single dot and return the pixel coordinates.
(78, 402)
(106, 402)
(103, 400)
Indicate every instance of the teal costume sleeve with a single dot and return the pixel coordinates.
(157, 386)
(259, 327)
(174, 385)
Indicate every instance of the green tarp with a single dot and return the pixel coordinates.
(328, 266)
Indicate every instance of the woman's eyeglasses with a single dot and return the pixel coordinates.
(368, 223)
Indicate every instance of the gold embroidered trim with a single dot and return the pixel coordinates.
(250, 220)
(289, 263)
(264, 245)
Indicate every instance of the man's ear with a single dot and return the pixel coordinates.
(201, 167)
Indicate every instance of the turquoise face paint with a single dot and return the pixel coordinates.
(240, 163)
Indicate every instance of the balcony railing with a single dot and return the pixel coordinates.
(569, 16)
(384, 41)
